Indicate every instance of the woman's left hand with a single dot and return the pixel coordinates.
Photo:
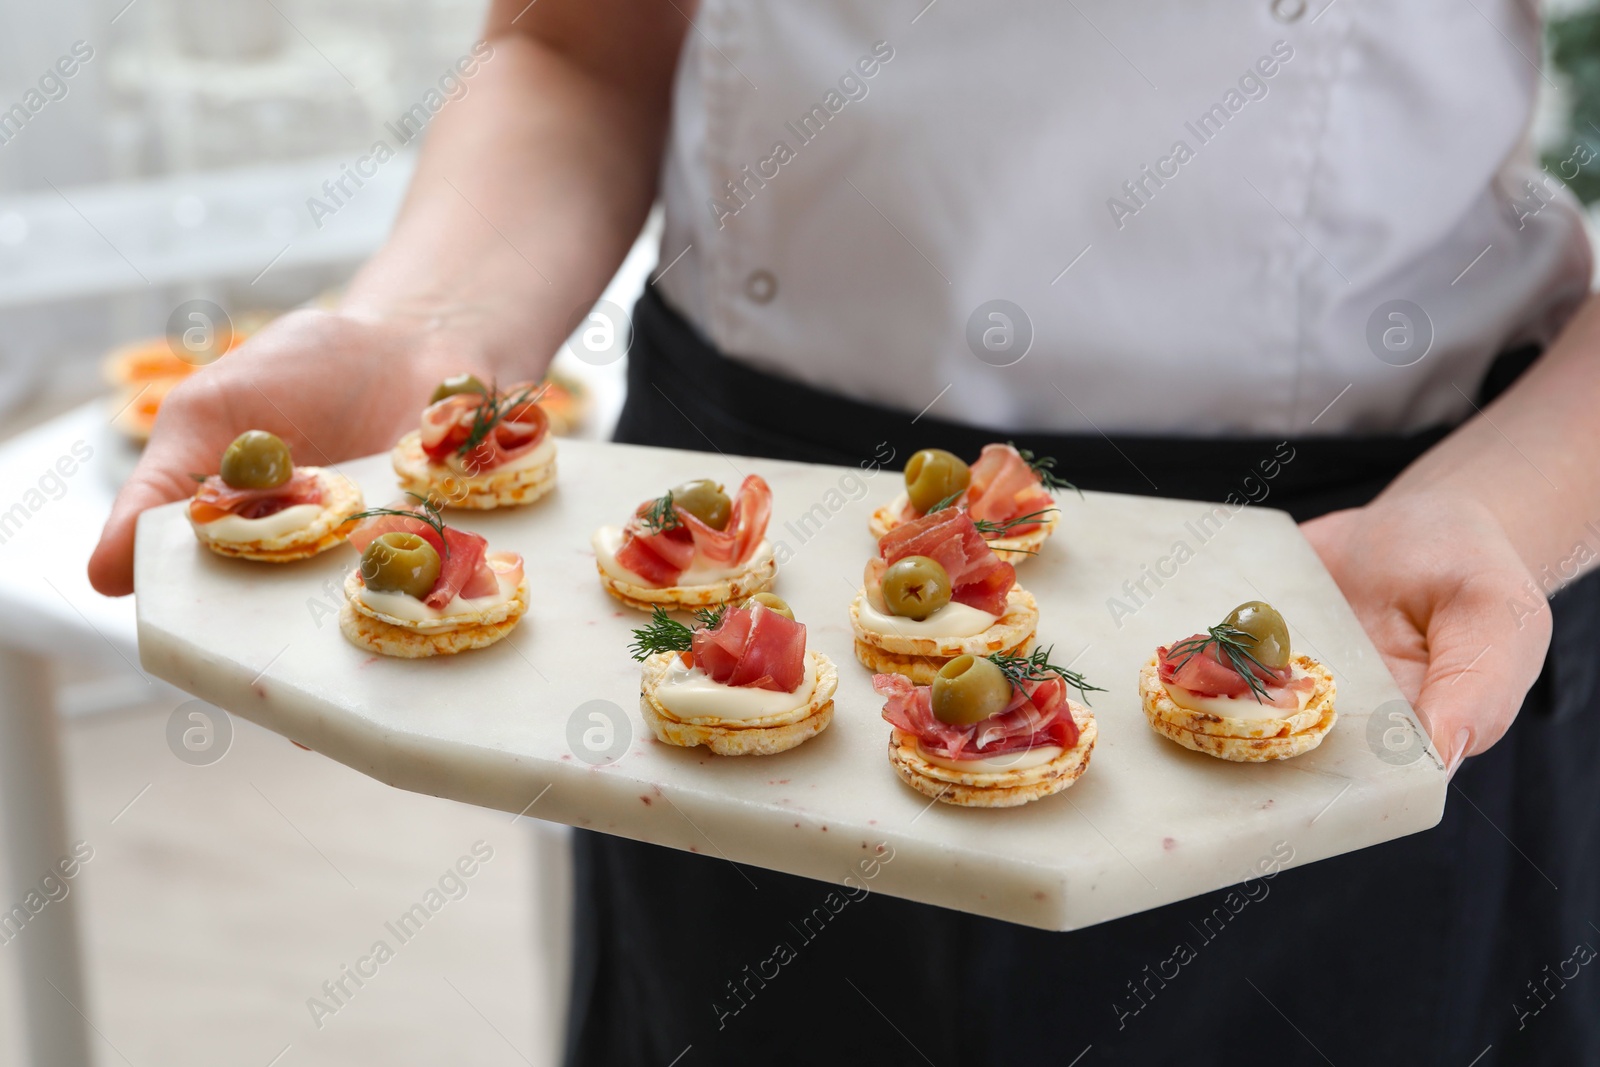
(1449, 603)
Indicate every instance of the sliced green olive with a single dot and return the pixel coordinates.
(933, 475)
(257, 460)
(457, 383)
(770, 601)
(1261, 621)
(705, 500)
(968, 690)
(916, 587)
(400, 563)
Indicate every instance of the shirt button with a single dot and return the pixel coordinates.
(1288, 10)
(761, 286)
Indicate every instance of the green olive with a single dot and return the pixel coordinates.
(457, 383)
(933, 475)
(257, 460)
(1261, 621)
(915, 587)
(968, 690)
(770, 601)
(400, 563)
(705, 500)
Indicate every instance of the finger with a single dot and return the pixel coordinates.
(1480, 667)
(156, 480)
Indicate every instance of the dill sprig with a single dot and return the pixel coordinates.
(425, 511)
(666, 634)
(1045, 468)
(991, 530)
(201, 478)
(1036, 667)
(660, 515)
(491, 412)
(1233, 646)
(947, 502)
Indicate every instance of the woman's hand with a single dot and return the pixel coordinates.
(332, 386)
(1433, 578)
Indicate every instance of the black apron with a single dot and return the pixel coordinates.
(1425, 950)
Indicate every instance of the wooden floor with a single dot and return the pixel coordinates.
(220, 899)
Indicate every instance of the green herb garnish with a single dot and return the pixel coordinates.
(947, 502)
(991, 530)
(491, 412)
(666, 634)
(1045, 468)
(426, 511)
(1036, 667)
(660, 515)
(1233, 646)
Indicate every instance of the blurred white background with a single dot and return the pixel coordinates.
(175, 163)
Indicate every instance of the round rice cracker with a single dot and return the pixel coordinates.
(995, 789)
(389, 636)
(762, 736)
(341, 498)
(758, 577)
(919, 658)
(1011, 549)
(1159, 703)
(452, 489)
(1253, 749)
(1248, 749)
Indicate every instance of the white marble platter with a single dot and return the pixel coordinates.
(537, 719)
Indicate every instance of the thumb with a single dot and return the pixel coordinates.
(158, 479)
(1480, 667)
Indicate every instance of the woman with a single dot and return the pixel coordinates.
(1210, 229)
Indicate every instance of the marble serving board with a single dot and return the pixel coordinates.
(547, 721)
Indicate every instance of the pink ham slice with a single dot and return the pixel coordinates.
(1004, 487)
(978, 577)
(216, 498)
(447, 424)
(1039, 714)
(753, 647)
(462, 569)
(1205, 674)
(659, 558)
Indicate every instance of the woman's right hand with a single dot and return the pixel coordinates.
(333, 386)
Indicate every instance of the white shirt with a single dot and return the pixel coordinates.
(1289, 170)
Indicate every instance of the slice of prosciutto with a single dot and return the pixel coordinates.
(659, 558)
(1002, 487)
(753, 647)
(216, 498)
(978, 577)
(448, 424)
(1039, 714)
(464, 569)
(1207, 674)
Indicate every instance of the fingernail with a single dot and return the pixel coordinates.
(1463, 739)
